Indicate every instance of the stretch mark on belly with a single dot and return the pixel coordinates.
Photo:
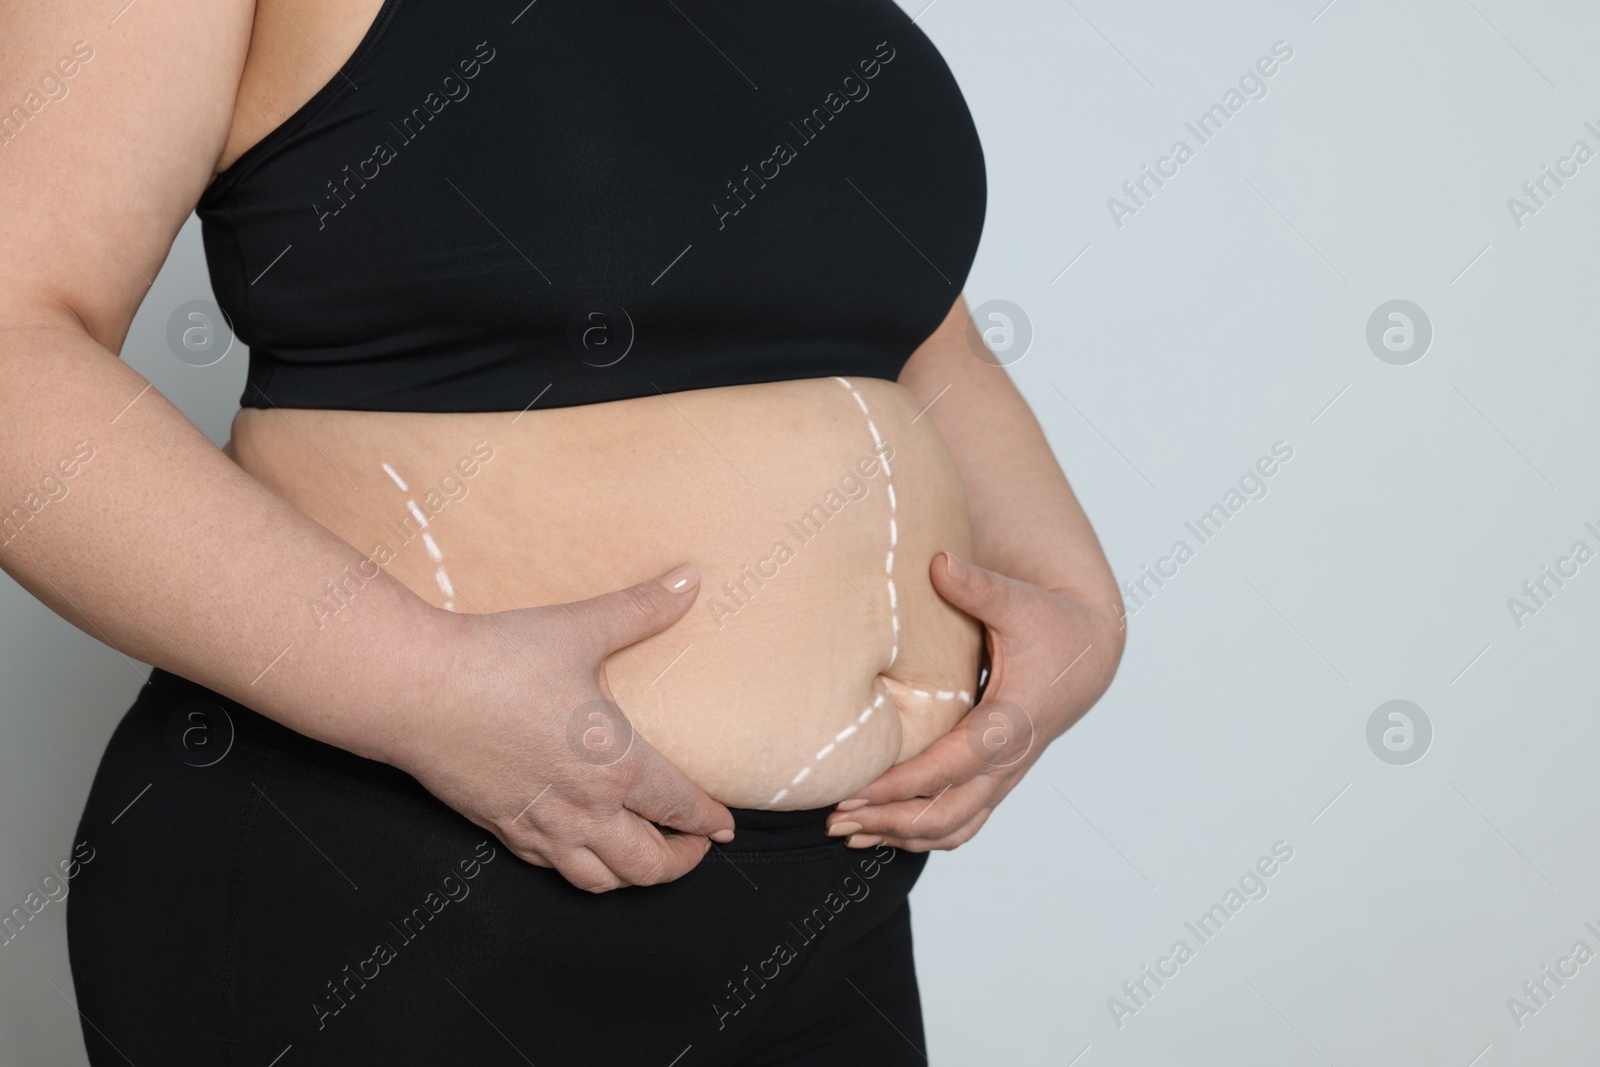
(428, 543)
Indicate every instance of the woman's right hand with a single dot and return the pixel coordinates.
(523, 738)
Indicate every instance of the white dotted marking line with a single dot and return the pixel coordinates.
(894, 530)
(894, 596)
(428, 543)
(894, 603)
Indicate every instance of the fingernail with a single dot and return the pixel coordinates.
(863, 841)
(722, 837)
(680, 578)
(843, 829)
(954, 567)
(851, 805)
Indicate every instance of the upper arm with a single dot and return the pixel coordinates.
(955, 358)
(110, 125)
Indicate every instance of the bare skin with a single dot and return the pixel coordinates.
(172, 553)
(765, 671)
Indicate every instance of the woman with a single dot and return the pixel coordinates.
(433, 766)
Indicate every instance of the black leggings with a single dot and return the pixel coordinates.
(250, 893)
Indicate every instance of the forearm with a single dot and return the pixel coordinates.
(1026, 520)
(159, 545)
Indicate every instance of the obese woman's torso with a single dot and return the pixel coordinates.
(817, 654)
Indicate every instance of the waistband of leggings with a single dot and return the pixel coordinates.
(166, 695)
(756, 829)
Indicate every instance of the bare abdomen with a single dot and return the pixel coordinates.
(812, 509)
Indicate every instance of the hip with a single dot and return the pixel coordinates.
(254, 889)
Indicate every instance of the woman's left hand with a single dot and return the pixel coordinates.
(1051, 656)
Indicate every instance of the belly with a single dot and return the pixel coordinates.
(818, 653)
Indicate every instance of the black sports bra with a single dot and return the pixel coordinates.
(559, 202)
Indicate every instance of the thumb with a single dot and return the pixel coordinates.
(978, 591)
(630, 615)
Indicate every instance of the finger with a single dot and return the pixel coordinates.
(528, 855)
(921, 818)
(986, 595)
(640, 854)
(955, 839)
(587, 871)
(664, 795)
(626, 616)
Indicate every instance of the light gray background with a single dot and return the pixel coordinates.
(1228, 314)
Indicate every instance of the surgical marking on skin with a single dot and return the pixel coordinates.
(894, 535)
(428, 543)
(894, 602)
(894, 597)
